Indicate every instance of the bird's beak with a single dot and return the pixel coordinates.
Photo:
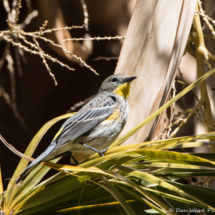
(130, 79)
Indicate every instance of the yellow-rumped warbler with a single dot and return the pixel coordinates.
(94, 127)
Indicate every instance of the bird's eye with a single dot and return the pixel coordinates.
(114, 79)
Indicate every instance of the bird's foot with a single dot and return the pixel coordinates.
(100, 152)
(103, 151)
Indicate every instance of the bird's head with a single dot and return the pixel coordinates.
(118, 84)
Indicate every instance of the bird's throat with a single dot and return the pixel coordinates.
(123, 90)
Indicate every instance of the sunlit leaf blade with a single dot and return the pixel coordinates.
(204, 194)
(1, 198)
(193, 144)
(178, 166)
(66, 168)
(118, 197)
(166, 143)
(98, 171)
(53, 193)
(19, 189)
(152, 179)
(32, 179)
(52, 196)
(23, 198)
(184, 174)
(29, 151)
(142, 200)
(106, 209)
(166, 194)
(152, 154)
(145, 193)
(68, 198)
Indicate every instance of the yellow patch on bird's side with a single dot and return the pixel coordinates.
(123, 90)
(114, 115)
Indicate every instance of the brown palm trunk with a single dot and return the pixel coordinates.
(152, 50)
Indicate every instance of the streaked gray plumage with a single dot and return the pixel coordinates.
(94, 127)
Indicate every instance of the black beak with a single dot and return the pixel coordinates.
(129, 79)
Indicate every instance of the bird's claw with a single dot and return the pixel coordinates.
(103, 151)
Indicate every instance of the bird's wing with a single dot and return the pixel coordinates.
(86, 119)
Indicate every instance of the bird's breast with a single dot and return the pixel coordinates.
(105, 133)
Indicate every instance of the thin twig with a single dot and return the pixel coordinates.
(13, 107)
(3, 58)
(25, 48)
(212, 12)
(106, 58)
(17, 7)
(70, 53)
(6, 6)
(43, 27)
(206, 18)
(209, 37)
(184, 121)
(79, 200)
(173, 111)
(12, 77)
(44, 32)
(28, 2)
(183, 99)
(66, 51)
(18, 61)
(59, 29)
(86, 14)
(28, 19)
(97, 38)
(15, 151)
(79, 104)
(44, 60)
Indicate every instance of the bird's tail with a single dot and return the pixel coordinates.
(45, 156)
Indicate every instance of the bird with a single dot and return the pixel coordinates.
(94, 127)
